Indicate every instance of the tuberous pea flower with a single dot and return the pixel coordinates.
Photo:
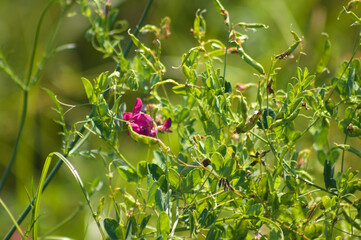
(141, 123)
(166, 126)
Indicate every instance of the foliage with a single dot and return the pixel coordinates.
(240, 171)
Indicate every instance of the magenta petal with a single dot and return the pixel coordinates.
(166, 125)
(137, 106)
(127, 116)
(143, 120)
(136, 128)
(153, 132)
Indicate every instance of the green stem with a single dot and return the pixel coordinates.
(12, 218)
(37, 33)
(15, 150)
(77, 138)
(343, 150)
(354, 50)
(65, 221)
(25, 99)
(136, 31)
(46, 183)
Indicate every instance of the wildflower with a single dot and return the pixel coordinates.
(141, 123)
(166, 126)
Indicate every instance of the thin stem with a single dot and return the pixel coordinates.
(354, 50)
(65, 221)
(37, 33)
(225, 56)
(46, 183)
(15, 150)
(25, 100)
(136, 31)
(12, 218)
(76, 139)
(49, 52)
(343, 150)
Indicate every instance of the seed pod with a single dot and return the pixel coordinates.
(291, 48)
(141, 138)
(250, 60)
(293, 115)
(254, 163)
(269, 88)
(206, 162)
(243, 108)
(251, 122)
(220, 182)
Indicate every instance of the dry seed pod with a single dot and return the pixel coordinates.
(206, 162)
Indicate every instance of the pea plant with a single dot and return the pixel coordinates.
(221, 164)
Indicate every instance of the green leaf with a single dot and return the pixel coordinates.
(184, 170)
(209, 145)
(159, 200)
(211, 129)
(190, 182)
(229, 167)
(181, 114)
(199, 25)
(202, 217)
(155, 171)
(131, 228)
(222, 11)
(163, 224)
(151, 193)
(54, 98)
(162, 181)
(142, 169)
(216, 232)
(291, 183)
(313, 231)
(160, 159)
(126, 172)
(182, 89)
(217, 162)
(173, 177)
(140, 194)
(320, 137)
(222, 150)
(218, 5)
(255, 209)
(113, 229)
(140, 45)
(321, 66)
(321, 156)
(328, 172)
(326, 201)
(89, 90)
(144, 223)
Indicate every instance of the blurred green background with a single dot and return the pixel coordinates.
(62, 74)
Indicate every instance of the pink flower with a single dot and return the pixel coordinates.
(166, 125)
(141, 123)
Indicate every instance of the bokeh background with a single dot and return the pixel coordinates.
(62, 74)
